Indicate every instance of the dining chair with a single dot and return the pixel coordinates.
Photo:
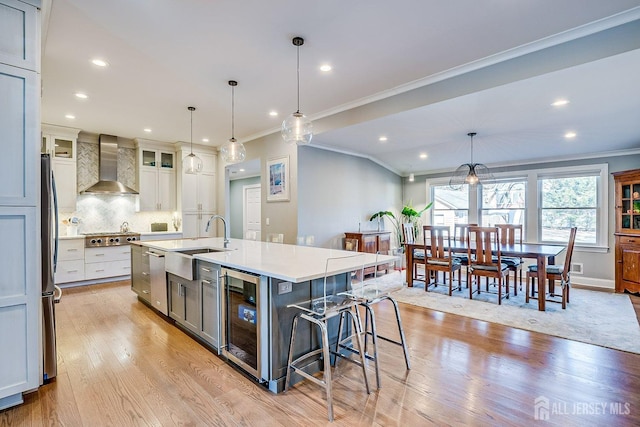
(486, 261)
(319, 311)
(368, 294)
(438, 257)
(409, 236)
(460, 231)
(511, 234)
(553, 272)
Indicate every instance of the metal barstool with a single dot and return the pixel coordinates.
(318, 312)
(367, 296)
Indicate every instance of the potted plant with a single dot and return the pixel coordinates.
(407, 215)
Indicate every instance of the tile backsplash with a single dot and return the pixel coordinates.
(100, 213)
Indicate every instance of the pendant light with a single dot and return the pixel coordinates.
(471, 173)
(233, 151)
(191, 164)
(297, 128)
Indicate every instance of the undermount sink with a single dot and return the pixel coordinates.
(201, 251)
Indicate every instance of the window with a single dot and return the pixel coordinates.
(547, 202)
(450, 206)
(569, 202)
(504, 203)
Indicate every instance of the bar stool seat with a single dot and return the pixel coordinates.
(318, 312)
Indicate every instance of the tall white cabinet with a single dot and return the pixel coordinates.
(60, 142)
(198, 193)
(20, 286)
(156, 175)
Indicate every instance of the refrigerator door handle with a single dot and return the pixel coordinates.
(57, 294)
(55, 222)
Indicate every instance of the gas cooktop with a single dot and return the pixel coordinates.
(115, 238)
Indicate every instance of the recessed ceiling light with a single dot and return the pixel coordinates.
(423, 155)
(70, 116)
(570, 135)
(81, 95)
(147, 130)
(325, 67)
(241, 170)
(560, 102)
(99, 62)
(273, 113)
(205, 139)
(382, 139)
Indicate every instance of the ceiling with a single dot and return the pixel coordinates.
(423, 73)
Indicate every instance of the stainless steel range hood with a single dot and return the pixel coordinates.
(108, 169)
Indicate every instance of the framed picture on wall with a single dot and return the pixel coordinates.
(278, 170)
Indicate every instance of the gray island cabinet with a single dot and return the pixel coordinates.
(235, 299)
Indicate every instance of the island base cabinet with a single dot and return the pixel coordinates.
(185, 302)
(307, 335)
(209, 280)
(140, 273)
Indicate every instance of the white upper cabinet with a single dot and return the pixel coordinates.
(156, 176)
(61, 142)
(198, 192)
(19, 35)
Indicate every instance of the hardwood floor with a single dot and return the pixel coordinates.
(121, 364)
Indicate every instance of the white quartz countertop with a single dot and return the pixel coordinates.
(286, 262)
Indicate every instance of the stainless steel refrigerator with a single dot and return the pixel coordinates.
(49, 242)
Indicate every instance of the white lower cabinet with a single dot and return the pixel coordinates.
(110, 261)
(70, 267)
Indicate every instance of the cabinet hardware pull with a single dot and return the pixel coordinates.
(99, 254)
(208, 270)
(99, 270)
(72, 271)
(72, 250)
(145, 292)
(144, 273)
(154, 254)
(208, 282)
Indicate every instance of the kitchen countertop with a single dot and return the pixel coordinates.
(286, 262)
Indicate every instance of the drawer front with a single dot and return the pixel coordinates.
(629, 240)
(70, 271)
(72, 249)
(207, 271)
(98, 270)
(118, 253)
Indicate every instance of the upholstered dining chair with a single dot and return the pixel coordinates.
(511, 234)
(561, 273)
(487, 260)
(409, 236)
(438, 257)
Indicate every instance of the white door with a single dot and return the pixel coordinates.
(251, 212)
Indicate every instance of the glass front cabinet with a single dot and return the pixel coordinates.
(627, 234)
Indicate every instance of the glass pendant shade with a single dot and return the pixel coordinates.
(191, 163)
(297, 129)
(233, 151)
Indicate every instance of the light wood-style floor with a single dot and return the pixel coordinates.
(120, 364)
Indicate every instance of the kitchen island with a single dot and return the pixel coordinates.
(235, 299)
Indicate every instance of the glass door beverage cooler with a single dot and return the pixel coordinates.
(241, 329)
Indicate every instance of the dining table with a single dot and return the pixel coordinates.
(541, 252)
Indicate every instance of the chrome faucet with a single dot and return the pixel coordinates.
(226, 227)
(124, 227)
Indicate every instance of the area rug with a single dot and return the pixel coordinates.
(602, 318)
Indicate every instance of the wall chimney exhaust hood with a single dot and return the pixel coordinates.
(108, 169)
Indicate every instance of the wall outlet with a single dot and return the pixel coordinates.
(284, 288)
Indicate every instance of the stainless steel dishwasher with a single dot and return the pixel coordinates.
(158, 280)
